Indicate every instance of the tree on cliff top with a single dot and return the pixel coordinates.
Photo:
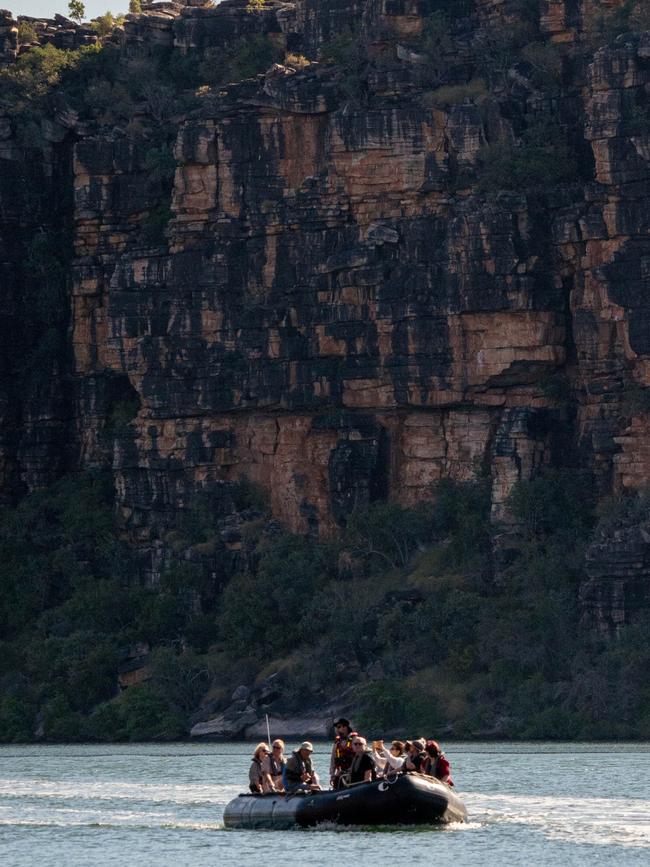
(77, 10)
(104, 24)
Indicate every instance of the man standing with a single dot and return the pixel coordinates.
(342, 751)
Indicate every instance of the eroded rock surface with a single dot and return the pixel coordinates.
(336, 311)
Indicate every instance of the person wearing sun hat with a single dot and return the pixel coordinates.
(342, 751)
(298, 773)
(416, 756)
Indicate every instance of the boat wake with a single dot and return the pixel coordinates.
(623, 822)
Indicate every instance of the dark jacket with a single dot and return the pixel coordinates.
(419, 760)
(295, 767)
(438, 767)
(361, 764)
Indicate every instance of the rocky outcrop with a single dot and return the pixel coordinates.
(251, 711)
(59, 31)
(8, 38)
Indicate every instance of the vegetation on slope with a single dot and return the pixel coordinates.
(405, 606)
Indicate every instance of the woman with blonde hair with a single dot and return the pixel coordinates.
(258, 775)
(274, 763)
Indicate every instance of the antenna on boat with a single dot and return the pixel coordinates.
(268, 729)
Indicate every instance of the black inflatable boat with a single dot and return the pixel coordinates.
(408, 799)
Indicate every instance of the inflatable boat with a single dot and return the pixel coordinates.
(408, 799)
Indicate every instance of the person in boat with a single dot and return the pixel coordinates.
(258, 776)
(362, 769)
(299, 773)
(416, 756)
(379, 755)
(388, 760)
(436, 764)
(274, 764)
(342, 751)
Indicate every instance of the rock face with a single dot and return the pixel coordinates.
(8, 37)
(58, 31)
(336, 312)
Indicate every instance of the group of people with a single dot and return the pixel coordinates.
(352, 761)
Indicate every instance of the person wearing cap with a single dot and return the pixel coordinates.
(299, 774)
(342, 751)
(416, 756)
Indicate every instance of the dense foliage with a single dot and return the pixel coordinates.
(405, 606)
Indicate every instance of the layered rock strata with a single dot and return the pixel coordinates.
(336, 311)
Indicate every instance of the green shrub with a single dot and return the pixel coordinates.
(623, 511)
(105, 723)
(60, 723)
(497, 49)
(17, 720)
(160, 165)
(45, 541)
(245, 58)
(154, 227)
(385, 535)
(76, 10)
(347, 52)
(556, 502)
(122, 414)
(147, 717)
(35, 72)
(539, 160)
(26, 33)
(104, 24)
(546, 62)
(249, 495)
(180, 679)
(391, 708)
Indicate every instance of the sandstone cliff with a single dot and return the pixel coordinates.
(338, 309)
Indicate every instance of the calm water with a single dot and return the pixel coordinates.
(163, 804)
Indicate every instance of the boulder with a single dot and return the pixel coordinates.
(300, 727)
(241, 693)
(229, 725)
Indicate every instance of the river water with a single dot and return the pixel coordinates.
(155, 804)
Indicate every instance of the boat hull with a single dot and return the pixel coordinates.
(410, 799)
